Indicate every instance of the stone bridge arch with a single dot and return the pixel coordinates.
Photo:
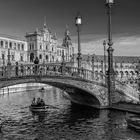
(78, 91)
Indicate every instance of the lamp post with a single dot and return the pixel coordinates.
(104, 44)
(63, 63)
(3, 57)
(50, 56)
(78, 23)
(111, 78)
(92, 60)
(73, 56)
(8, 56)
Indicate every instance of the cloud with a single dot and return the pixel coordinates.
(124, 45)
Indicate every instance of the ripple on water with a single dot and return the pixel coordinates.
(67, 122)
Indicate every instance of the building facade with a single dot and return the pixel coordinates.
(125, 67)
(17, 48)
(41, 43)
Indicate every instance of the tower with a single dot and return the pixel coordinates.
(41, 44)
(69, 50)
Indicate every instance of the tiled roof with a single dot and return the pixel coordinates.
(12, 37)
(117, 59)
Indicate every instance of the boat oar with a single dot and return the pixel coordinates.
(52, 106)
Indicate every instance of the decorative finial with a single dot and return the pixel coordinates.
(67, 33)
(45, 22)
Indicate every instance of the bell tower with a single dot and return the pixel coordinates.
(67, 43)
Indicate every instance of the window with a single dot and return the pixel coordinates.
(3, 56)
(21, 58)
(53, 58)
(13, 56)
(31, 57)
(126, 66)
(10, 45)
(40, 56)
(1, 43)
(52, 49)
(57, 52)
(18, 46)
(40, 47)
(46, 57)
(22, 46)
(46, 47)
(6, 44)
(15, 46)
(30, 47)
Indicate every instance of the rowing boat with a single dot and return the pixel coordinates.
(133, 122)
(39, 108)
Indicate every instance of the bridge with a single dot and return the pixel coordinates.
(81, 86)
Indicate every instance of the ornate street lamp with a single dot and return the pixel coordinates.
(50, 56)
(104, 44)
(63, 63)
(78, 23)
(8, 56)
(63, 57)
(93, 60)
(111, 76)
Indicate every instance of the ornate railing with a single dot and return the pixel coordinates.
(53, 69)
(50, 70)
(128, 90)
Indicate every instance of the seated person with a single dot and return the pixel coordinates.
(42, 102)
(33, 102)
(38, 103)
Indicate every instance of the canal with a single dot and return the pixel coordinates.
(64, 121)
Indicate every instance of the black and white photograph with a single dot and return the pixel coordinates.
(69, 69)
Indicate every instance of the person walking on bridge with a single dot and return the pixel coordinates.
(36, 62)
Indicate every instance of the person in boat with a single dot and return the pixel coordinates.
(33, 101)
(42, 102)
(42, 88)
(38, 101)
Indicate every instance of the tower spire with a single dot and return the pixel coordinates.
(67, 33)
(45, 26)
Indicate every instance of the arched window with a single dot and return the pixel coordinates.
(40, 47)
(18, 46)
(10, 45)
(52, 58)
(3, 56)
(6, 44)
(1, 43)
(40, 56)
(30, 47)
(47, 58)
(15, 46)
(22, 46)
(31, 57)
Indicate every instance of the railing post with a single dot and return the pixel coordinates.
(92, 60)
(8, 65)
(63, 64)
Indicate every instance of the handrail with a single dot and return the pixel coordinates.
(62, 70)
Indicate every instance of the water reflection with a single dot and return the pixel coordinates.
(39, 116)
(63, 121)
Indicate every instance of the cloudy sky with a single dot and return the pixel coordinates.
(20, 16)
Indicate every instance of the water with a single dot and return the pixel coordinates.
(65, 122)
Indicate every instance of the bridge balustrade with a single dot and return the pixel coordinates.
(49, 69)
(130, 91)
(19, 71)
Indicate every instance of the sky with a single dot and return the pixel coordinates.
(20, 16)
